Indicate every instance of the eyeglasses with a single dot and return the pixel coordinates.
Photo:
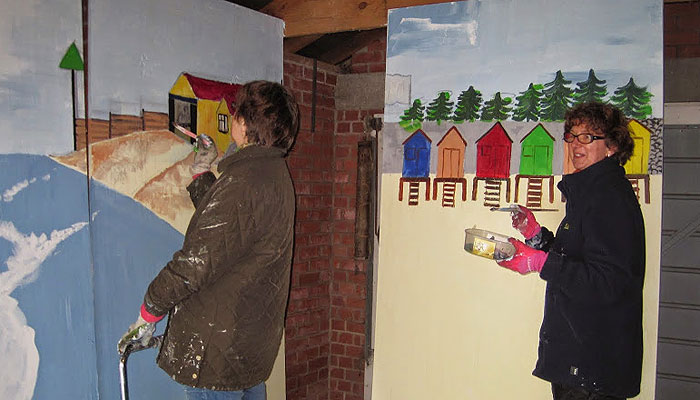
(583, 138)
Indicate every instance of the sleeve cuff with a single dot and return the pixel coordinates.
(552, 266)
(195, 176)
(148, 317)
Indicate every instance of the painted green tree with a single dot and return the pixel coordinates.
(440, 109)
(592, 89)
(412, 118)
(557, 98)
(497, 108)
(73, 62)
(528, 104)
(468, 105)
(633, 100)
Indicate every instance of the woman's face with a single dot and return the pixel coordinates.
(585, 155)
(238, 131)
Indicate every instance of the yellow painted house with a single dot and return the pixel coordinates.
(638, 164)
(203, 106)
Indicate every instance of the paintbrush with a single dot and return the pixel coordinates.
(510, 208)
(191, 134)
(515, 208)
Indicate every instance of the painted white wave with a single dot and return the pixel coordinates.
(18, 371)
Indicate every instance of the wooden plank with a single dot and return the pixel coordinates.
(348, 47)
(309, 17)
(294, 44)
(410, 3)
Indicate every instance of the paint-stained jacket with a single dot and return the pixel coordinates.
(226, 290)
(591, 335)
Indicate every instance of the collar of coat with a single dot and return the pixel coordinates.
(589, 177)
(249, 153)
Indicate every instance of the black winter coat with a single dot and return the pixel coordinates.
(226, 290)
(591, 335)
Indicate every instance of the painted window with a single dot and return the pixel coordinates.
(411, 153)
(223, 123)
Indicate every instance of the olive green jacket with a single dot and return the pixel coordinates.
(226, 290)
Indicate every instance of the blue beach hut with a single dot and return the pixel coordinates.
(416, 155)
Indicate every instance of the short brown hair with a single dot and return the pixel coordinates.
(270, 113)
(604, 119)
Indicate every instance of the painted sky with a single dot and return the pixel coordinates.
(138, 49)
(35, 95)
(503, 45)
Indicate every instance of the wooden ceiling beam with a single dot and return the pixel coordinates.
(294, 44)
(310, 17)
(345, 49)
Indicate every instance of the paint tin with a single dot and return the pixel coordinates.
(488, 244)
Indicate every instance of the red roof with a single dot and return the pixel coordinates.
(208, 89)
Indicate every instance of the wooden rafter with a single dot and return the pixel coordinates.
(310, 17)
(343, 50)
(294, 44)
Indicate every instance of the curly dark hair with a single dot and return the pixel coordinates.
(605, 120)
(270, 113)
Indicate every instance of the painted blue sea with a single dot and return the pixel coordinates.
(85, 293)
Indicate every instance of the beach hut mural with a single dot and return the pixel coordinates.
(203, 106)
(416, 166)
(637, 168)
(537, 148)
(493, 165)
(450, 167)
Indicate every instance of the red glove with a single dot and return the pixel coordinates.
(524, 221)
(525, 260)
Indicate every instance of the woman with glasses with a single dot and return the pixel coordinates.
(591, 337)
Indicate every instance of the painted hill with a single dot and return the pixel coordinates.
(152, 167)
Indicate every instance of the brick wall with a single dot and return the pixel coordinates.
(682, 29)
(369, 59)
(325, 331)
(349, 276)
(311, 163)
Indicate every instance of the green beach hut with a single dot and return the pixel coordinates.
(537, 148)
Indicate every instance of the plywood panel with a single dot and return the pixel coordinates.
(681, 287)
(678, 359)
(673, 389)
(679, 323)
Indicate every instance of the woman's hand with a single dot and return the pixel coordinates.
(204, 156)
(524, 221)
(525, 260)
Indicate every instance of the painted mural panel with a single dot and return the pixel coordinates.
(502, 73)
(74, 267)
(35, 94)
(137, 60)
(47, 333)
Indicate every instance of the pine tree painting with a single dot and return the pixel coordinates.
(633, 100)
(557, 98)
(440, 109)
(528, 106)
(412, 118)
(496, 108)
(468, 106)
(592, 89)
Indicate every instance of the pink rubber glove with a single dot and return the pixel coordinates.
(524, 221)
(148, 317)
(525, 260)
